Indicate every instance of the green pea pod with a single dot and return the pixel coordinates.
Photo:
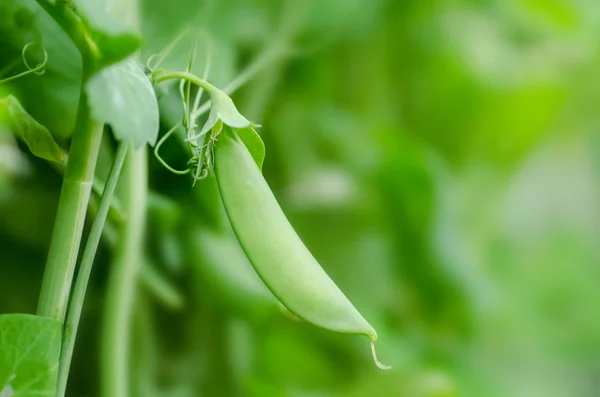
(275, 250)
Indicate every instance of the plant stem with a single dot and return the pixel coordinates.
(70, 217)
(192, 78)
(154, 282)
(122, 279)
(159, 287)
(85, 269)
(171, 113)
(70, 23)
(114, 211)
(147, 355)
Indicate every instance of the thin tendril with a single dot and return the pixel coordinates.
(155, 60)
(185, 92)
(160, 159)
(379, 364)
(207, 152)
(184, 101)
(38, 69)
(194, 138)
(188, 122)
(189, 85)
(204, 76)
(249, 73)
(199, 164)
(150, 63)
(195, 108)
(8, 67)
(202, 166)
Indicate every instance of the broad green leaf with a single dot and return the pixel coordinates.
(19, 21)
(36, 136)
(51, 98)
(122, 96)
(254, 144)
(29, 354)
(114, 40)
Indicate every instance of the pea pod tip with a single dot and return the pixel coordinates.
(379, 364)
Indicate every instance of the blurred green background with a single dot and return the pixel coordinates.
(441, 159)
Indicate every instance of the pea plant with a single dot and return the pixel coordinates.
(86, 67)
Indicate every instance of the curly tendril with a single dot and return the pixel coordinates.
(161, 160)
(38, 69)
(200, 161)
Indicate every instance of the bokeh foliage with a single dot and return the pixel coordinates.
(440, 158)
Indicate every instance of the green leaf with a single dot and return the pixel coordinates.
(19, 21)
(36, 136)
(222, 108)
(113, 39)
(254, 144)
(51, 98)
(29, 354)
(121, 95)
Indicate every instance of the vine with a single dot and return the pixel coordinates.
(38, 69)
(200, 161)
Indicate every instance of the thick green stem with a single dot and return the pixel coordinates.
(85, 270)
(122, 280)
(114, 211)
(70, 217)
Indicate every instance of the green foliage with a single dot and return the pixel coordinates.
(112, 40)
(36, 136)
(439, 159)
(121, 96)
(50, 98)
(253, 143)
(30, 348)
(223, 109)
